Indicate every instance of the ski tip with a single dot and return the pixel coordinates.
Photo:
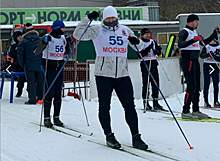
(190, 147)
(40, 102)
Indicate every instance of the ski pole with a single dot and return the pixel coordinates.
(77, 79)
(169, 82)
(148, 86)
(41, 101)
(45, 75)
(164, 98)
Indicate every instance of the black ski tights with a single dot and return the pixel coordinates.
(124, 91)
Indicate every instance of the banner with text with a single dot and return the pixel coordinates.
(40, 15)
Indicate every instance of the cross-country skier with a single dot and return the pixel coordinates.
(111, 70)
(149, 52)
(189, 42)
(53, 46)
(211, 69)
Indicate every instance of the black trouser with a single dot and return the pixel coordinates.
(215, 79)
(191, 72)
(145, 73)
(34, 80)
(20, 84)
(55, 92)
(124, 91)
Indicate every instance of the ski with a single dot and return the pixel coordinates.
(76, 130)
(121, 149)
(214, 120)
(138, 152)
(57, 130)
(163, 111)
(152, 152)
(210, 108)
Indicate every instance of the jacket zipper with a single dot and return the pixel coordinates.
(116, 67)
(102, 63)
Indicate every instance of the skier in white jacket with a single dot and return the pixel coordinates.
(111, 70)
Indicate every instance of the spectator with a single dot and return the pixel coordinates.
(17, 36)
(31, 64)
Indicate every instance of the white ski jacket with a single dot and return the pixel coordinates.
(108, 66)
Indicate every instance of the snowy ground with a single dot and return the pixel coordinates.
(22, 141)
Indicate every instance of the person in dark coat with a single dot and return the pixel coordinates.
(31, 64)
(17, 36)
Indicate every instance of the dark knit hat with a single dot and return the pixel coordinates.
(16, 34)
(144, 31)
(58, 25)
(29, 26)
(192, 18)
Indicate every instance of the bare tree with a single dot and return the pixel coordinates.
(169, 9)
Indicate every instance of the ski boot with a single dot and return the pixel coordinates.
(207, 105)
(147, 105)
(47, 122)
(112, 142)
(217, 104)
(157, 106)
(137, 142)
(188, 115)
(57, 121)
(200, 115)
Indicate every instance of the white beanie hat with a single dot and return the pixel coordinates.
(109, 12)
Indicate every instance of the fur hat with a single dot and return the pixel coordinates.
(109, 12)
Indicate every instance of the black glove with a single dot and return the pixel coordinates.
(143, 52)
(69, 39)
(213, 54)
(47, 38)
(133, 40)
(156, 52)
(93, 15)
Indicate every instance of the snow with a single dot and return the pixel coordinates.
(22, 141)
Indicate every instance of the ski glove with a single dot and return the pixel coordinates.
(133, 40)
(145, 51)
(93, 15)
(69, 39)
(47, 38)
(198, 38)
(213, 54)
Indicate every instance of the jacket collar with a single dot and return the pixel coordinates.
(110, 28)
(31, 31)
(189, 27)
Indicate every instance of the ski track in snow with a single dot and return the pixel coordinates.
(22, 141)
